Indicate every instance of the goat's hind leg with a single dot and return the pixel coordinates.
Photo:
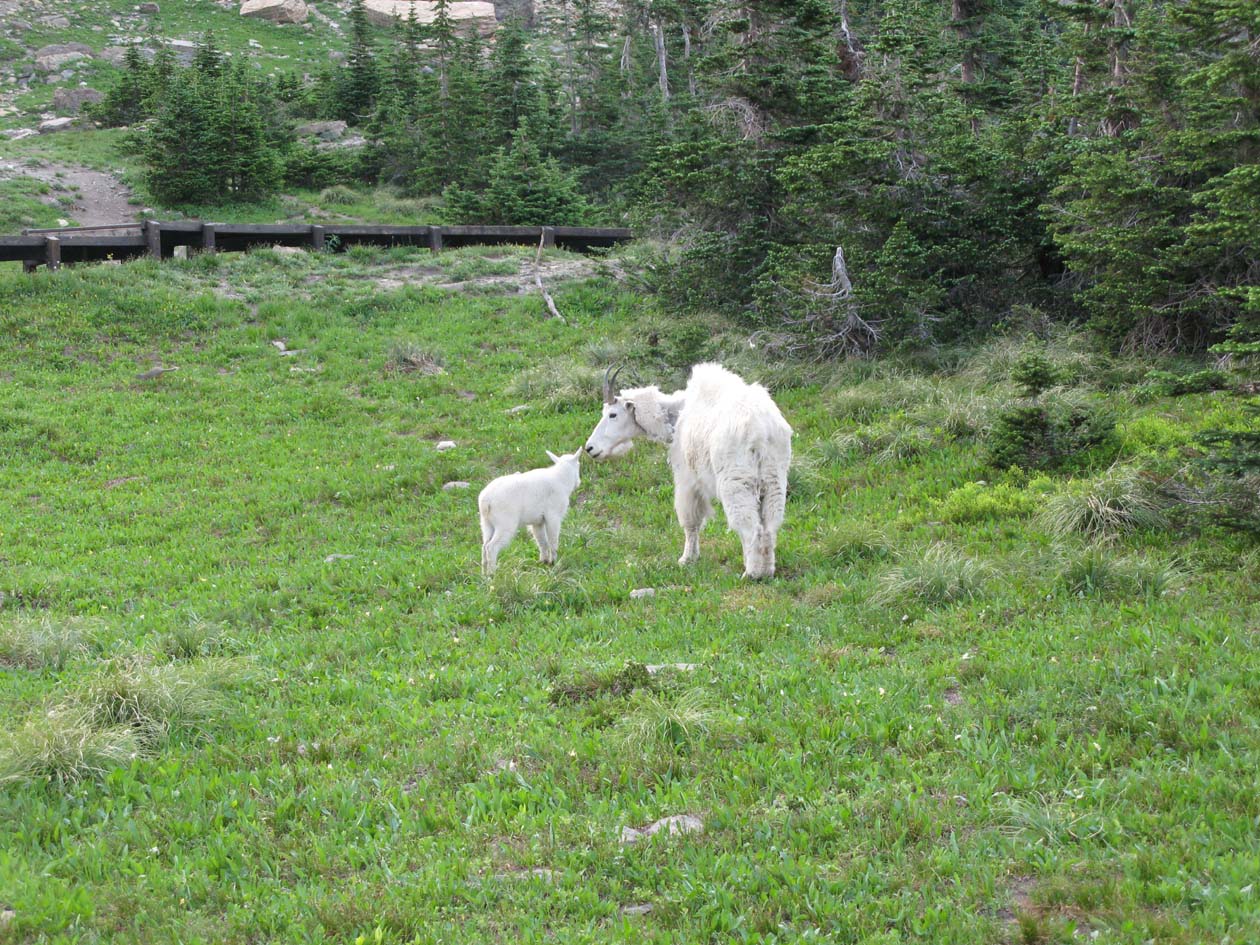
(694, 509)
(490, 548)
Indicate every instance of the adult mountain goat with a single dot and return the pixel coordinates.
(727, 441)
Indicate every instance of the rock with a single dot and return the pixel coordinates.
(6, 917)
(679, 823)
(20, 26)
(17, 134)
(468, 16)
(70, 101)
(276, 11)
(148, 9)
(58, 62)
(184, 49)
(519, 408)
(60, 49)
(181, 252)
(331, 558)
(353, 141)
(640, 592)
(56, 21)
(638, 908)
(255, 44)
(456, 484)
(654, 668)
(445, 445)
(521, 10)
(55, 124)
(323, 130)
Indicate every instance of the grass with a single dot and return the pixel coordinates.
(36, 642)
(25, 202)
(304, 717)
(1114, 503)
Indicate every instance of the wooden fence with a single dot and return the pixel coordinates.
(53, 248)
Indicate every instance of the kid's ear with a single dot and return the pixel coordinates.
(577, 453)
(554, 457)
(629, 404)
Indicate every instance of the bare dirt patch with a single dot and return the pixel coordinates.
(99, 198)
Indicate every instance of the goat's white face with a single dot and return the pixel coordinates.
(615, 432)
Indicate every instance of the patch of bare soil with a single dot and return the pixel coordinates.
(100, 198)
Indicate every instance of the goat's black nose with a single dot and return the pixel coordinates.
(590, 449)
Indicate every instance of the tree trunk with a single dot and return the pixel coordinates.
(659, 35)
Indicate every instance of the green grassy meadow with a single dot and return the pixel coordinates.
(253, 688)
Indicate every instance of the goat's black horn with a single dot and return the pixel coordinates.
(610, 381)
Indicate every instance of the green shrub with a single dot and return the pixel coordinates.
(980, 502)
(1033, 373)
(1196, 382)
(1050, 434)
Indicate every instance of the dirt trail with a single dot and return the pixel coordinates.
(100, 198)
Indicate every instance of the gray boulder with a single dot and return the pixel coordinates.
(55, 124)
(323, 130)
(58, 62)
(277, 11)
(149, 8)
(71, 101)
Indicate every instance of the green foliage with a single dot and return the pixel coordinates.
(982, 502)
(1233, 461)
(524, 188)
(1051, 434)
(207, 142)
(1171, 384)
(1033, 373)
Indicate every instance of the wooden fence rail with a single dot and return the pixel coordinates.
(53, 248)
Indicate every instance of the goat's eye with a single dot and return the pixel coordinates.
(612, 416)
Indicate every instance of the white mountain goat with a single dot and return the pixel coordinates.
(538, 498)
(727, 440)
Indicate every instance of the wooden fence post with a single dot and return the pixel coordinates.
(52, 252)
(317, 237)
(208, 237)
(153, 238)
(549, 237)
(435, 238)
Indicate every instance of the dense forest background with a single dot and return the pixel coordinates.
(978, 164)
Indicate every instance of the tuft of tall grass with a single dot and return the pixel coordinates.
(1095, 572)
(194, 639)
(1115, 503)
(339, 195)
(152, 698)
(941, 575)
(407, 357)
(663, 725)
(41, 643)
(559, 384)
(64, 746)
(855, 542)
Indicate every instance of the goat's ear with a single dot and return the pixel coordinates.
(628, 404)
(554, 457)
(577, 453)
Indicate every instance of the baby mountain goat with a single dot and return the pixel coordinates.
(538, 498)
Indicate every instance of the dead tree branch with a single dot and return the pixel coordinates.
(551, 303)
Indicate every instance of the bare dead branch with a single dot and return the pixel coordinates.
(551, 304)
